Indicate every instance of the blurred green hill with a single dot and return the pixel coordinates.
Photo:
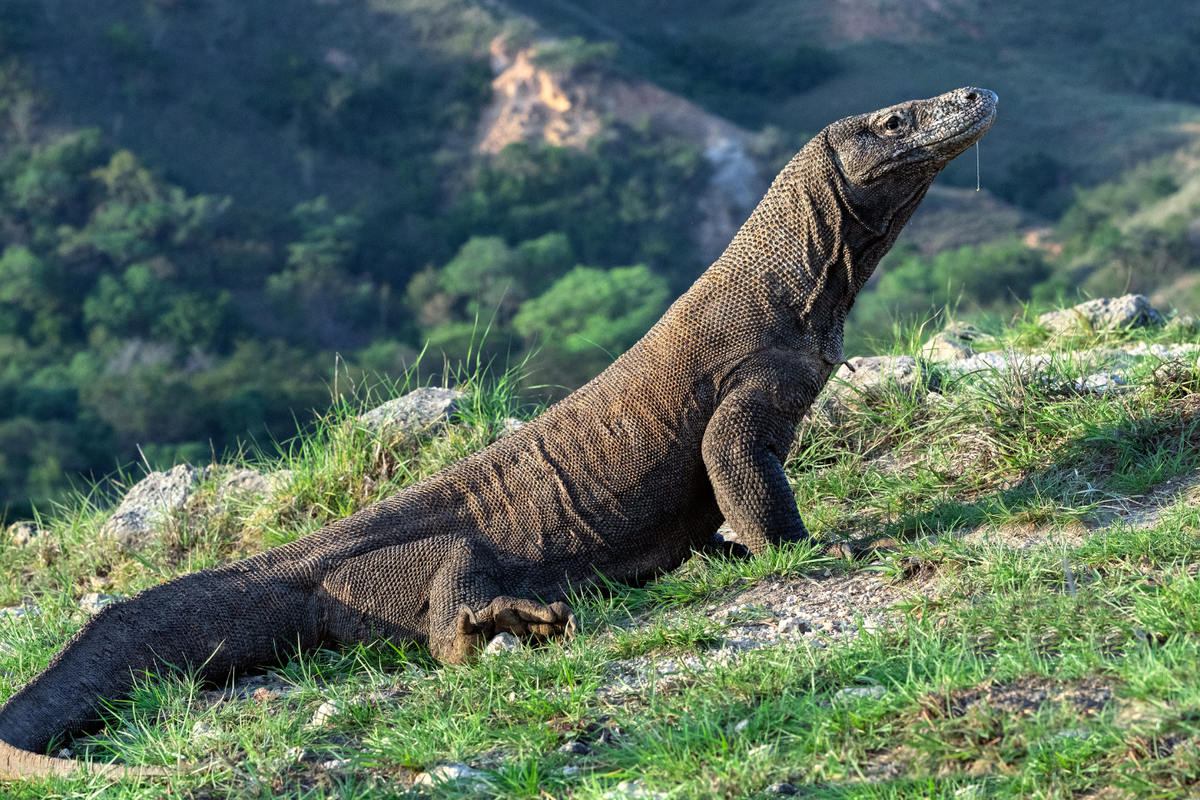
(215, 214)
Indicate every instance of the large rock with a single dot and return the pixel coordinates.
(871, 378)
(1188, 324)
(23, 534)
(1103, 314)
(244, 482)
(417, 410)
(150, 503)
(952, 344)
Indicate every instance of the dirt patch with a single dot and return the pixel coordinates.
(1145, 511)
(1027, 536)
(792, 611)
(1025, 697)
(832, 603)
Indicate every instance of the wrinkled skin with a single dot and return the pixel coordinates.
(624, 479)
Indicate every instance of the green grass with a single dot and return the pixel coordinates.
(1068, 668)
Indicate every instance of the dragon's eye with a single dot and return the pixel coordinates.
(892, 123)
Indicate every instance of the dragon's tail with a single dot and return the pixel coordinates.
(16, 763)
(248, 614)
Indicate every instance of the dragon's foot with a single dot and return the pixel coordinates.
(525, 619)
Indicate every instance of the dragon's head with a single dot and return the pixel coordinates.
(912, 140)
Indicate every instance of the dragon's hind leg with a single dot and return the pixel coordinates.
(446, 590)
(525, 619)
(469, 604)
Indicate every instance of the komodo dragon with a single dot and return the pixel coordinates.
(622, 479)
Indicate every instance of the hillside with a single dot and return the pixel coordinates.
(1029, 629)
(218, 216)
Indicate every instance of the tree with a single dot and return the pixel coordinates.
(591, 316)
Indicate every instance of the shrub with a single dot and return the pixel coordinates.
(1167, 70)
(591, 316)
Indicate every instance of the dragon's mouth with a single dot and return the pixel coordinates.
(973, 123)
(948, 133)
(967, 135)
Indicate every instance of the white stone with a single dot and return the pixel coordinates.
(858, 693)
(456, 773)
(1186, 323)
(325, 713)
(781, 788)
(246, 482)
(870, 378)
(947, 346)
(23, 534)
(17, 612)
(92, 602)
(633, 789)
(503, 643)
(202, 730)
(1066, 733)
(335, 763)
(1103, 314)
(1102, 383)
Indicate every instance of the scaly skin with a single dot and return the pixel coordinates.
(624, 478)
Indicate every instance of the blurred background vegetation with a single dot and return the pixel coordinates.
(216, 214)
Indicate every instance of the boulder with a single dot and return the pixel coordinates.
(23, 534)
(1103, 314)
(871, 378)
(92, 602)
(417, 411)
(944, 347)
(1186, 323)
(150, 503)
(955, 343)
(244, 481)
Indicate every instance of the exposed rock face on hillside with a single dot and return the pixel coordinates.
(532, 104)
(569, 109)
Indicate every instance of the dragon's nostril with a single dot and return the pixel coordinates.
(971, 96)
